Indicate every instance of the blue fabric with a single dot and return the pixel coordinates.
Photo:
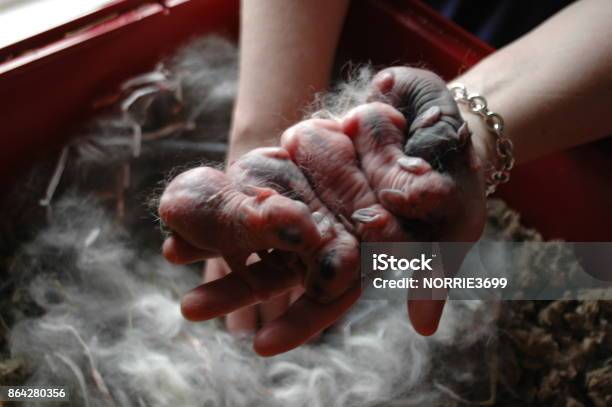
(498, 22)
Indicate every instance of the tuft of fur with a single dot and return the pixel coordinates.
(344, 95)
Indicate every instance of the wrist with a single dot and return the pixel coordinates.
(248, 135)
(495, 151)
(482, 141)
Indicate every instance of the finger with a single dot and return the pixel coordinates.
(176, 250)
(205, 209)
(295, 295)
(242, 321)
(259, 282)
(332, 265)
(273, 308)
(425, 306)
(276, 306)
(214, 270)
(425, 315)
(407, 186)
(302, 321)
(328, 159)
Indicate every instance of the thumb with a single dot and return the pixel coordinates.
(425, 315)
(425, 305)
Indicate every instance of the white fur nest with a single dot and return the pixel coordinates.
(113, 330)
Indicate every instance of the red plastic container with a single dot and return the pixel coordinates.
(54, 81)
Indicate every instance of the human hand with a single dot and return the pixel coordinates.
(422, 194)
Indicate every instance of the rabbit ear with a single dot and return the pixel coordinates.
(260, 193)
(427, 119)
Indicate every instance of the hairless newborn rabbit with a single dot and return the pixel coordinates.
(398, 168)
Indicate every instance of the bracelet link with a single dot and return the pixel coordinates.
(477, 103)
(495, 124)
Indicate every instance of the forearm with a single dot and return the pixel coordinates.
(553, 86)
(287, 49)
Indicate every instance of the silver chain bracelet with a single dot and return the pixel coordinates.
(495, 123)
